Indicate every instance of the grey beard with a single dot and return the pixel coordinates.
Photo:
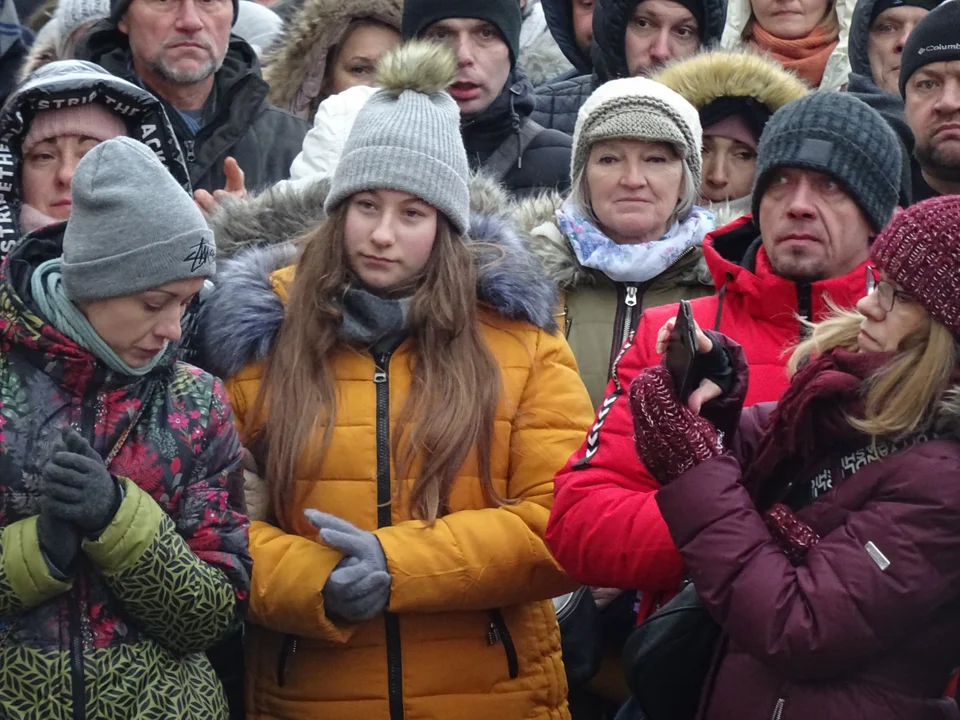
(181, 77)
(937, 163)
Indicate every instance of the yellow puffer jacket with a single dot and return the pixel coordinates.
(471, 632)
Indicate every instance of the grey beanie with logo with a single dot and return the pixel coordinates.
(838, 135)
(407, 135)
(132, 227)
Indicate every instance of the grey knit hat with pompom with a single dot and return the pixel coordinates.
(407, 135)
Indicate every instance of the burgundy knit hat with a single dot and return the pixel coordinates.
(920, 251)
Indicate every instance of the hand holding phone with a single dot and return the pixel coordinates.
(681, 340)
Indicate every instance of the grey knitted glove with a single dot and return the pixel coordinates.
(59, 543)
(77, 488)
(359, 587)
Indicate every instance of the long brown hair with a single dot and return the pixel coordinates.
(904, 396)
(455, 380)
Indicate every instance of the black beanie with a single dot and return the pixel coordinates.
(118, 9)
(934, 39)
(881, 6)
(418, 15)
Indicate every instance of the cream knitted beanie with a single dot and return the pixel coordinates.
(638, 109)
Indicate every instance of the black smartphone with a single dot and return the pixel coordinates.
(681, 351)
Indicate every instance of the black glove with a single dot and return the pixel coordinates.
(77, 488)
(60, 544)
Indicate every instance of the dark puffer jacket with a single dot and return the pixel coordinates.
(73, 81)
(544, 165)
(124, 637)
(557, 104)
(867, 625)
(263, 139)
(559, 16)
(889, 105)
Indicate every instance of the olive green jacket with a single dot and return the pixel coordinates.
(597, 313)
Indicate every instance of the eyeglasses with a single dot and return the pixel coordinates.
(887, 294)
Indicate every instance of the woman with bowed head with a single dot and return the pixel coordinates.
(405, 392)
(123, 544)
(628, 236)
(823, 533)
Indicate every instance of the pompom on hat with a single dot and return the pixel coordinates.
(407, 135)
(920, 251)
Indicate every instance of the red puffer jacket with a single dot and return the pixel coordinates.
(605, 528)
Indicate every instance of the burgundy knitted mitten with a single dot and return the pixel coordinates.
(793, 535)
(670, 438)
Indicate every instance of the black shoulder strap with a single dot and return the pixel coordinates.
(511, 151)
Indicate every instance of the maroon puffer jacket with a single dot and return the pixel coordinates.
(868, 627)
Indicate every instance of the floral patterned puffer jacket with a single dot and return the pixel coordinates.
(124, 637)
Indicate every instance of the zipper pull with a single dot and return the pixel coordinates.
(493, 634)
(631, 299)
(191, 156)
(379, 374)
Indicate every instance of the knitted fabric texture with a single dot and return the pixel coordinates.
(505, 15)
(669, 438)
(934, 39)
(409, 141)
(793, 535)
(71, 14)
(132, 227)
(118, 8)
(90, 120)
(920, 251)
(838, 135)
(638, 109)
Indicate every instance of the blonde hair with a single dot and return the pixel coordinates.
(904, 396)
(830, 23)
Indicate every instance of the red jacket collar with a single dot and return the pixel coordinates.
(747, 275)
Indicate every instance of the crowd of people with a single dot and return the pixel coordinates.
(332, 359)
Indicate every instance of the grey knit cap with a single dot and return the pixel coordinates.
(132, 227)
(836, 134)
(407, 135)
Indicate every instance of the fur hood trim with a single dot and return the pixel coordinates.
(536, 219)
(715, 74)
(45, 50)
(241, 317)
(296, 66)
(278, 215)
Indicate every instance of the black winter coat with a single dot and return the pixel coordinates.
(263, 139)
(544, 165)
(558, 103)
(559, 17)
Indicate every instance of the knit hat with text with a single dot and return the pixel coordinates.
(936, 38)
(920, 251)
(407, 135)
(838, 135)
(132, 227)
(638, 109)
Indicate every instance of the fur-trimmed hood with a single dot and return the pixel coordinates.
(536, 220)
(240, 319)
(45, 50)
(296, 66)
(715, 74)
(541, 59)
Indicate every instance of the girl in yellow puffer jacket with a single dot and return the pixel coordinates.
(408, 399)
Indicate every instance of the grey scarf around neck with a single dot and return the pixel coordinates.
(369, 319)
